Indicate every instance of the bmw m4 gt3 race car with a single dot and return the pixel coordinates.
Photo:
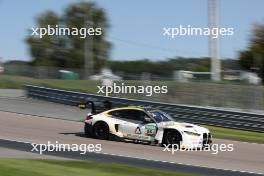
(146, 125)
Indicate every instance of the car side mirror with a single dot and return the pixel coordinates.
(147, 120)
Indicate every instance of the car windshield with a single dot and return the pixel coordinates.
(161, 116)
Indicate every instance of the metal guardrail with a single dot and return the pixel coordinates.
(192, 114)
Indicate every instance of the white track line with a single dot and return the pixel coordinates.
(133, 157)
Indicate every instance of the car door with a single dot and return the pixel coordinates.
(148, 128)
(131, 120)
(133, 124)
(125, 120)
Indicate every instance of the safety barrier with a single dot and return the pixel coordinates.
(192, 114)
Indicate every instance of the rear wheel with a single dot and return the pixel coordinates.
(88, 130)
(101, 130)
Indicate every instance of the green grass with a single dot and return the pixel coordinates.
(11, 167)
(18, 82)
(89, 86)
(239, 135)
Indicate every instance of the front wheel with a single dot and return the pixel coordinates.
(101, 131)
(173, 137)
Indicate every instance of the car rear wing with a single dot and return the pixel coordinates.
(96, 107)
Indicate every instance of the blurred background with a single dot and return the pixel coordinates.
(198, 70)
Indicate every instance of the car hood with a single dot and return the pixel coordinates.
(182, 126)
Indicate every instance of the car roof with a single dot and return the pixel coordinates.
(127, 108)
(132, 108)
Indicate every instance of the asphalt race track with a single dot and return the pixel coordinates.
(23, 121)
(41, 108)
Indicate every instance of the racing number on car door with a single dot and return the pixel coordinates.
(150, 129)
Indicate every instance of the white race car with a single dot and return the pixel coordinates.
(146, 125)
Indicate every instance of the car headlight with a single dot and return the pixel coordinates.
(192, 133)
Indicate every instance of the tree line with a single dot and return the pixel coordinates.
(69, 51)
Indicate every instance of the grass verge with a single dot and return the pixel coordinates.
(238, 135)
(12, 167)
(18, 82)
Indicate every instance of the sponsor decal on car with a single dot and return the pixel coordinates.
(138, 131)
(150, 130)
(139, 137)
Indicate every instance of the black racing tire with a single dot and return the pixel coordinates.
(101, 131)
(87, 134)
(88, 130)
(173, 137)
